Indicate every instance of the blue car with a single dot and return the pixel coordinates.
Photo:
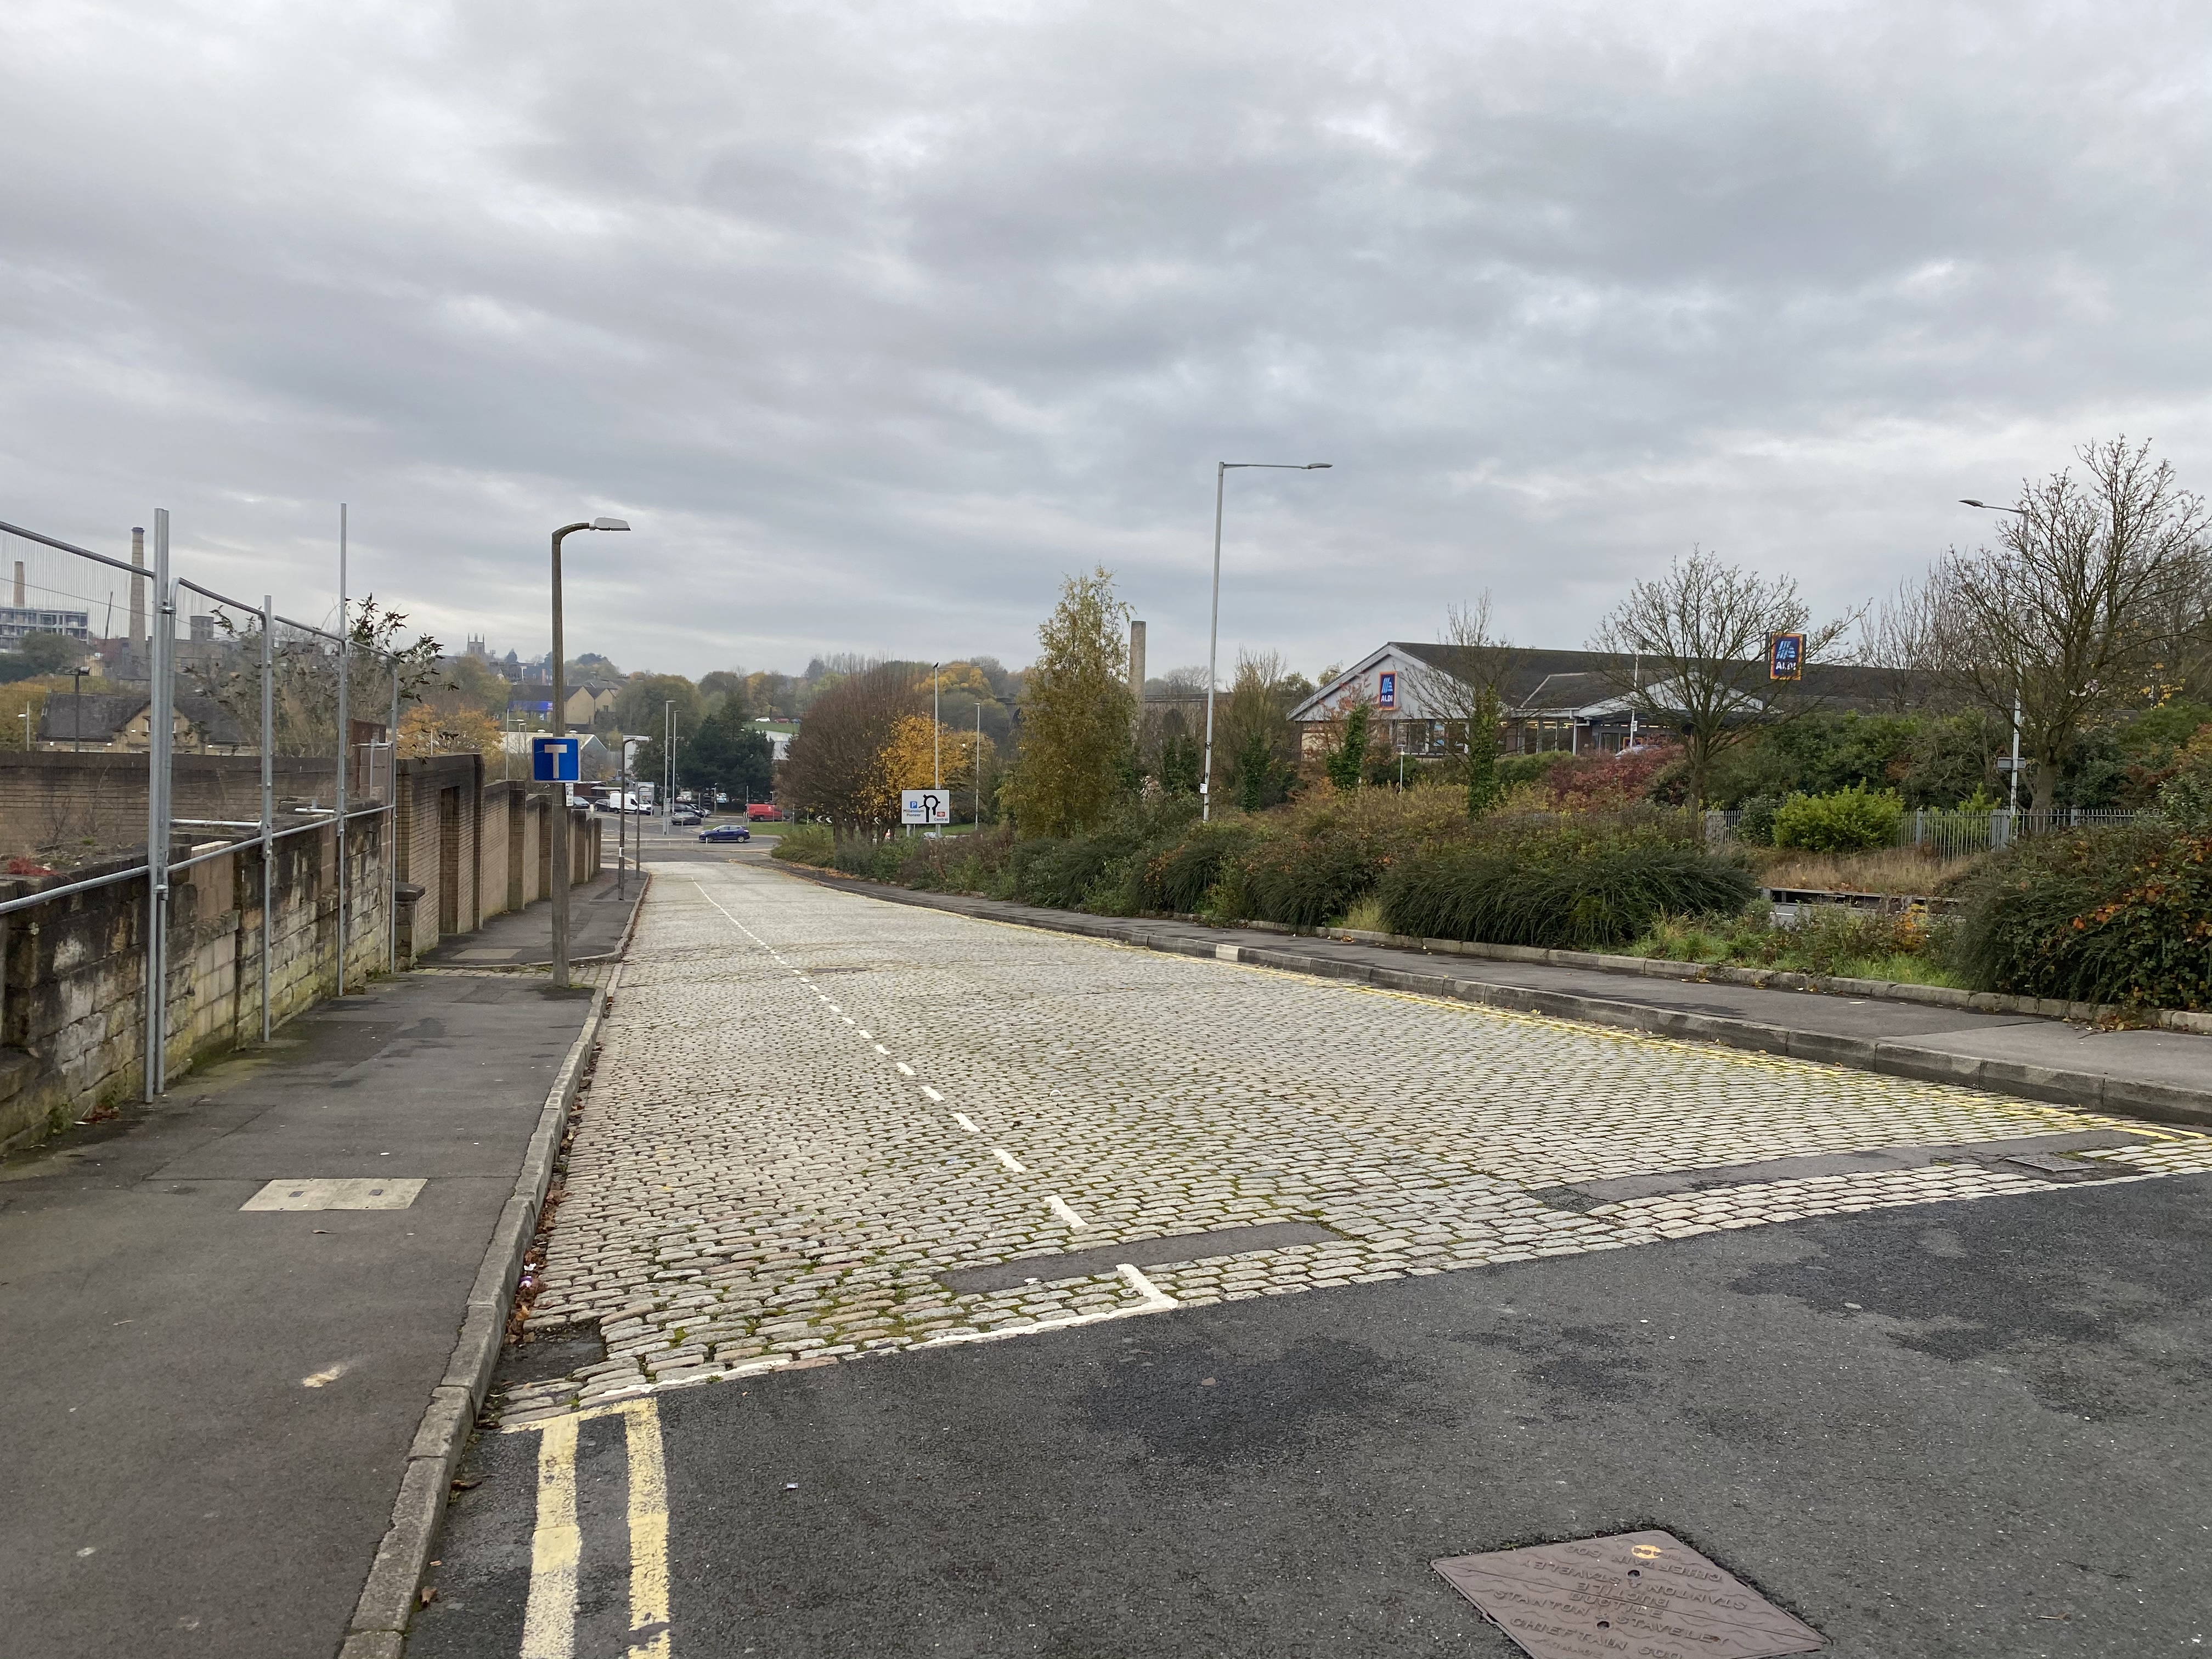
(726, 832)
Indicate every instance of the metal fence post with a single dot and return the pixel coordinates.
(392, 840)
(345, 740)
(159, 742)
(268, 801)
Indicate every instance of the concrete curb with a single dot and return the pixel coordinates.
(1894, 1057)
(388, 1599)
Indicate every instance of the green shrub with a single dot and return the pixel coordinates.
(805, 843)
(1100, 871)
(1754, 824)
(1561, 897)
(1178, 878)
(1843, 821)
(1833, 939)
(867, 857)
(1306, 880)
(2121, 916)
(1513, 770)
(954, 863)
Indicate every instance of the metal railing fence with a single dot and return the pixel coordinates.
(250, 681)
(1950, 833)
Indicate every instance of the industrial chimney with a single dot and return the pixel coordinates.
(1137, 668)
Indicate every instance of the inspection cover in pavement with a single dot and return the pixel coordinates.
(338, 1193)
(1643, 1593)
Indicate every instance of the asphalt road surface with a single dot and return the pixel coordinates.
(1928, 1368)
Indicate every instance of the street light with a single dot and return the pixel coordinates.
(1221, 469)
(2012, 797)
(560, 849)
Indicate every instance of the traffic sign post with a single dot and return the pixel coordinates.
(925, 807)
(556, 760)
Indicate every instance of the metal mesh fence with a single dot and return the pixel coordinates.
(150, 723)
(73, 697)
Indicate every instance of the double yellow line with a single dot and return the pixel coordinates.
(549, 1620)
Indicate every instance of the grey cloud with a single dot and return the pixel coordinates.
(878, 319)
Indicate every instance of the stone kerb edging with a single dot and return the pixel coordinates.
(1778, 979)
(388, 1599)
(2129, 1097)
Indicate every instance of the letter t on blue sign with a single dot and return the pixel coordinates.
(553, 760)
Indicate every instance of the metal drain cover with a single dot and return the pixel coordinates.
(1642, 1593)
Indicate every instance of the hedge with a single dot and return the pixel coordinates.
(2121, 916)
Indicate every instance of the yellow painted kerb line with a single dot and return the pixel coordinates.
(548, 1620)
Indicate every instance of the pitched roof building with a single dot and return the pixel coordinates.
(1579, 702)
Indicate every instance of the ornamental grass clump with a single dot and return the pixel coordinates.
(2120, 916)
(1566, 893)
(1177, 878)
(805, 843)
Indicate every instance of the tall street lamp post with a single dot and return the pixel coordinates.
(1221, 469)
(560, 848)
(2012, 797)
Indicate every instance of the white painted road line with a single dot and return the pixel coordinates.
(1058, 1206)
(1008, 1159)
(935, 1096)
(879, 1047)
(966, 1122)
(903, 1067)
(1158, 1299)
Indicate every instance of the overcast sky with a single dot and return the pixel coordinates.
(877, 320)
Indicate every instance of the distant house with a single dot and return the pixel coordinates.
(121, 721)
(1570, 702)
(587, 701)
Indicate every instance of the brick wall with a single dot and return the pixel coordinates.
(72, 972)
(58, 801)
(476, 848)
(73, 1021)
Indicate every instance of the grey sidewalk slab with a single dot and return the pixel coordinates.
(208, 1412)
(2147, 1073)
(599, 915)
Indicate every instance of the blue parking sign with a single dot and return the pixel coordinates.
(554, 760)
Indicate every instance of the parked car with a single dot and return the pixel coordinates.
(684, 815)
(726, 832)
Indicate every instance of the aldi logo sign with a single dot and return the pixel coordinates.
(1386, 689)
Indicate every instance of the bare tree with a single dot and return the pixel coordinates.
(835, 767)
(1469, 696)
(1688, 651)
(2095, 599)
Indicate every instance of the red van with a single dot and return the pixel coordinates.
(764, 811)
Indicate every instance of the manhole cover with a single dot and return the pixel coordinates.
(1642, 1593)
(2057, 1166)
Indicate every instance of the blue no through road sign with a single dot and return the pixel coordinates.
(554, 760)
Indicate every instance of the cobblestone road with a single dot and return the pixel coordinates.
(811, 1105)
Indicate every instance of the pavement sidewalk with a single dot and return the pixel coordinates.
(598, 916)
(2160, 1074)
(209, 1411)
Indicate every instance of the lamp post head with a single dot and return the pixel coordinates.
(610, 524)
(1967, 501)
(1316, 466)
